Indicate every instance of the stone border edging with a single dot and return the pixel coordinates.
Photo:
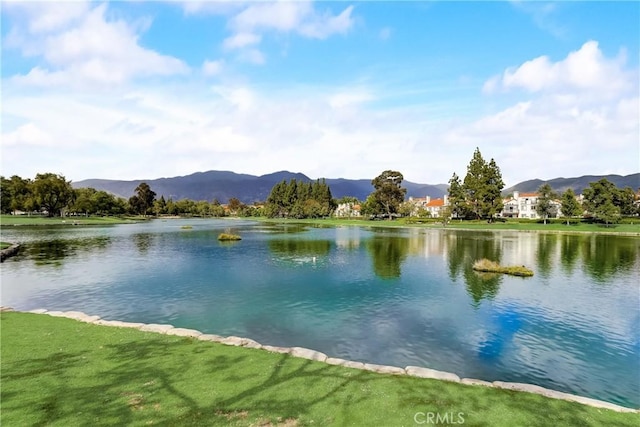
(9, 252)
(305, 353)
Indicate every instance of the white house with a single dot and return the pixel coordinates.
(347, 210)
(523, 205)
(433, 206)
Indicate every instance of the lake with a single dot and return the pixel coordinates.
(378, 295)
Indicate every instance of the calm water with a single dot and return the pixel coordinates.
(388, 296)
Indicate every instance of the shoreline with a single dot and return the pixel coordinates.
(309, 354)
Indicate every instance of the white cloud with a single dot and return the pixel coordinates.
(212, 68)
(46, 16)
(581, 114)
(349, 98)
(89, 50)
(586, 69)
(28, 134)
(249, 21)
(240, 40)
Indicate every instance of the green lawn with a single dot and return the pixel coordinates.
(471, 225)
(11, 220)
(4, 245)
(60, 372)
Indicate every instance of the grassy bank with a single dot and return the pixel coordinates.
(23, 220)
(471, 225)
(4, 245)
(58, 371)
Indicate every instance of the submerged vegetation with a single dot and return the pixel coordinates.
(487, 266)
(228, 237)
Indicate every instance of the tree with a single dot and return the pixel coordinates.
(52, 192)
(457, 200)
(160, 206)
(388, 191)
(143, 200)
(17, 195)
(234, 205)
(599, 200)
(624, 199)
(483, 186)
(569, 205)
(84, 201)
(545, 208)
(300, 199)
(5, 195)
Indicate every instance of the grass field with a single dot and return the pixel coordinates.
(61, 372)
(11, 220)
(472, 225)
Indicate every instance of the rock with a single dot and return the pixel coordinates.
(3, 308)
(249, 343)
(38, 311)
(236, 341)
(532, 388)
(383, 369)
(56, 313)
(8, 252)
(306, 353)
(210, 337)
(472, 381)
(182, 332)
(78, 315)
(153, 327)
(416, 371)
(274, 349)
(118, 324)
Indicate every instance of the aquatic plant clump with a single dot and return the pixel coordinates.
(228, 237)
(487, 266)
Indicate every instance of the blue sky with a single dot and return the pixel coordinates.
(141, 90)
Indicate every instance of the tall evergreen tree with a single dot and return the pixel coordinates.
(483, 186)
(457, 197)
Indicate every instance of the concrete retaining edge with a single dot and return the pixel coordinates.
(313, 355)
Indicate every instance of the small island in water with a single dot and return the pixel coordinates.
(228, 237)
(487, 266)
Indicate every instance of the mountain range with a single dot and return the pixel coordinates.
(223, 185)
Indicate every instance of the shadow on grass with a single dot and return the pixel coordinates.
(140, 379)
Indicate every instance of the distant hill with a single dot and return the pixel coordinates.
(578, 185)
(223, 185)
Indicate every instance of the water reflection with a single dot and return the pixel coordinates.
(299, 252)
(143, 241)
(463, 252)
(606, 256)
(387, 254)
(569, 251)
(53, 252)
(546, 248)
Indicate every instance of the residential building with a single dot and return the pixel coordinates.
(523, 205)
(347, 210)
(432, 206)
